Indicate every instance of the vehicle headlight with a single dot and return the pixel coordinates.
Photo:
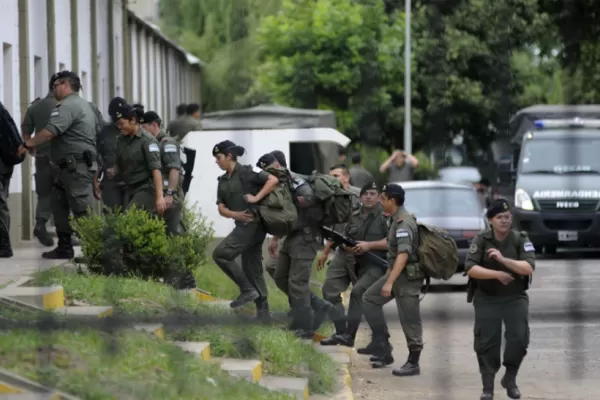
(523, 201)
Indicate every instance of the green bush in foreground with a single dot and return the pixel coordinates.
(134, 243)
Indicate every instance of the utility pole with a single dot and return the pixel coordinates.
(407, 85)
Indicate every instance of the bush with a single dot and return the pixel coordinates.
(134, 243)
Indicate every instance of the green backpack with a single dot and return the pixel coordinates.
(335, 199)
(278, 211)
(438, 253)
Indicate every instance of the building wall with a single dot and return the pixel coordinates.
(114, 52)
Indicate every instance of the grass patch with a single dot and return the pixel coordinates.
(281, 353)
(81, 364)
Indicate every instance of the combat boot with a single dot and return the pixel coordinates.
(382, 354)
(368, 349)
(262, 310)
(321, 308)
(347, 338)
(42, 234)
(411, 366)
(488, 387)
(340, 329)
(63, 251)
(509, 382)
(247, 293)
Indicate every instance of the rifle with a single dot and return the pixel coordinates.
(338, 239)
(188, 168)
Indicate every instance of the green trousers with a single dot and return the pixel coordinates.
(113, 194)
(73, 192)
(490, 312)
(406, 293)
(4, 214)
(44, 184)
(246, 241)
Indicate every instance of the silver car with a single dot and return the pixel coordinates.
(449, 206)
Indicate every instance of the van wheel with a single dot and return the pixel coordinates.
(551, 250)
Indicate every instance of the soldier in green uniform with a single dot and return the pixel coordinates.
(239, 188)
(402, 281)
(189, 123)
(110, 189)
(499, 264)
(368, 226)
(138, 163)
(174, 126)
(5, 246)
(173, 192)
(72, 131)
(36, 118)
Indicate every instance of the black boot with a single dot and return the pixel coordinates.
(64, 249)
(303, 322)
(42, 234)
(411, 366)
(340, 330)
(321, 308)
(509, 382)
(247, 293)
(488, 387)
(368, 349)
(347, 338)
(382, 354)
(262, 310)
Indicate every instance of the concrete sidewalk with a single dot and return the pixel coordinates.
(27, 259)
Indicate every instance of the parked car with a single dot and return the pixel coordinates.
(462, 175)
(453, 207)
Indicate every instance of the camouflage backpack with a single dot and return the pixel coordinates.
(438, 253)
(278, 211)
(335, 199)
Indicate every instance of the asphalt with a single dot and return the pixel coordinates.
(563, 361)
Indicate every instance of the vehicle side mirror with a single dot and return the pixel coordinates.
(506, 172)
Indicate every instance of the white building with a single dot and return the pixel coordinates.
(114, 52)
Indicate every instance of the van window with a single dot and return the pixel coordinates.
(561, 156)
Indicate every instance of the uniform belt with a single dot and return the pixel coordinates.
(64, 164)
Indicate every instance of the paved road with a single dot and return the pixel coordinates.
(564, 356)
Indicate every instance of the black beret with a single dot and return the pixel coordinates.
(114, 105)
(369, 186)
(223, 146)
(280, 157)
(497, 207)
(150, 117)
(392, 189)
(123, 111)
(266, 160)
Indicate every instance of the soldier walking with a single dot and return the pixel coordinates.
(499, 264)
(72, 132)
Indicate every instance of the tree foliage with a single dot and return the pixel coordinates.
(474, 62)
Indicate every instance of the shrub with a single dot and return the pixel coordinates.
(134, 243)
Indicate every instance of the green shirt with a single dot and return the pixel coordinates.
(37, 117)
(137, 156)
(169, 156)
(516, 246)
(243, 180)
(368, 225)
(186, 125)
(74, 124)
(403, 237)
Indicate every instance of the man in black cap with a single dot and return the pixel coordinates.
(107, 186)
(368, 226)
(36, 118)
(402, 281)
(500, 264)
(359, 176)
(173, 193)
(174, 126)
(72, 131)
(283, 274)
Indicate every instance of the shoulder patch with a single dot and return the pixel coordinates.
(153, 147)
(473, 248)
(170, 148)
(528, 246)
(256, 170)
(401, 233)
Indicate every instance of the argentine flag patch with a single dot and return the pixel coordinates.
(528, 247)
(153, 148)
(401, 233)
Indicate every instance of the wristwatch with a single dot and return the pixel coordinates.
(169, 192)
